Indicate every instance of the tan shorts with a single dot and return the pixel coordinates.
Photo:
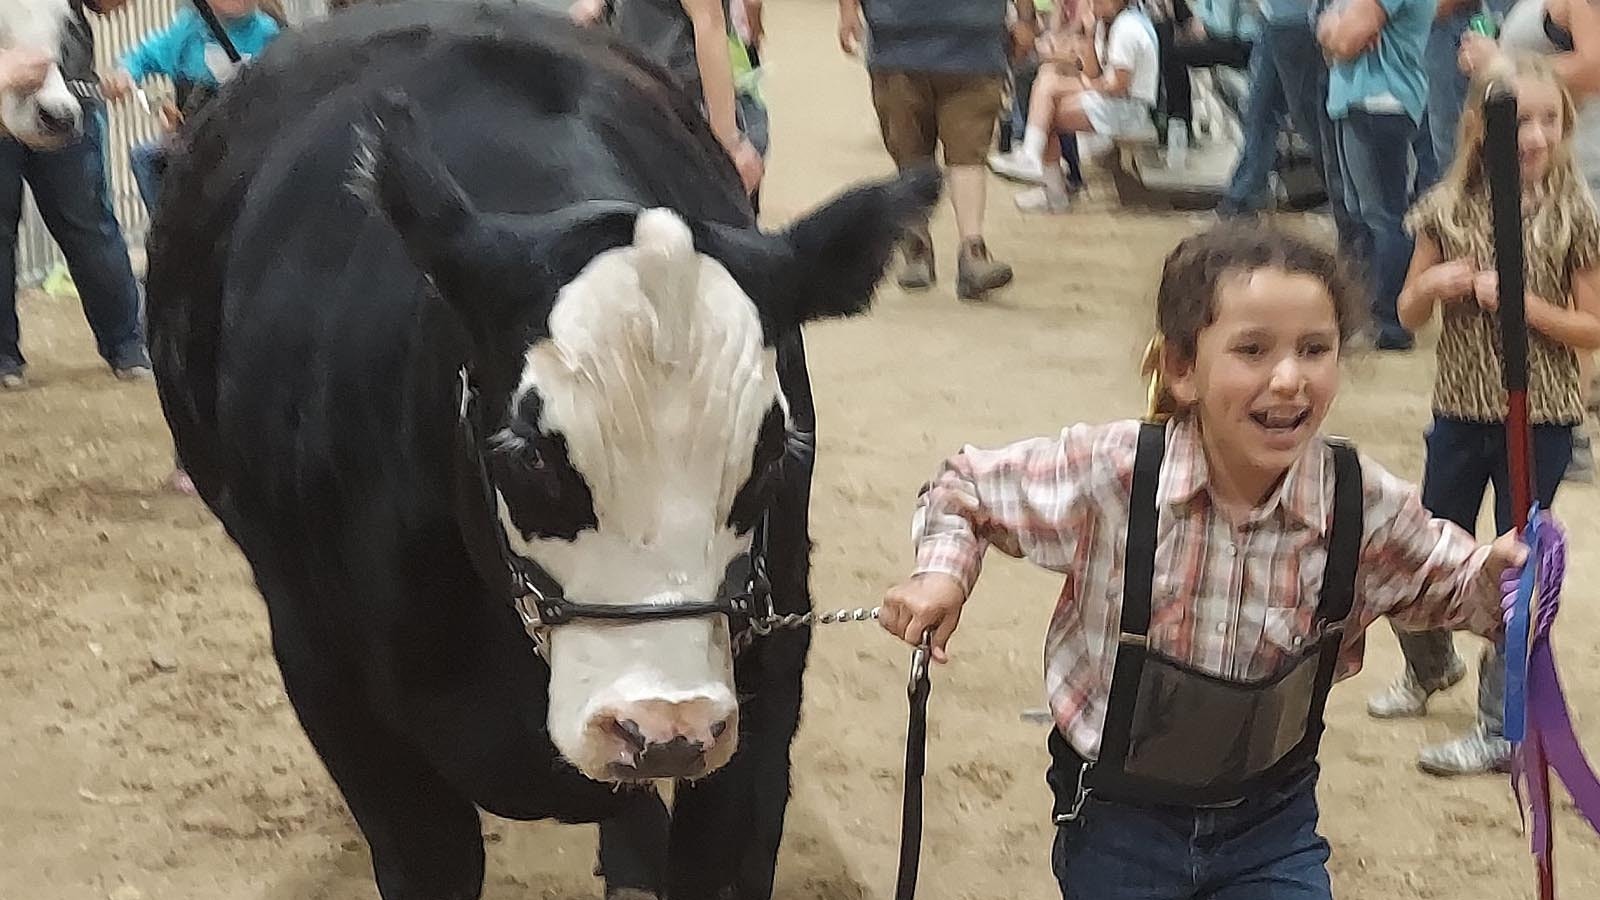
(916, 110)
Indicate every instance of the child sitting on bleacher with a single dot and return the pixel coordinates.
(1107, 86)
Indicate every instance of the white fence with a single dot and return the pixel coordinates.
(128, 124)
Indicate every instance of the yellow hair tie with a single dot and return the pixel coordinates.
(1158, 402)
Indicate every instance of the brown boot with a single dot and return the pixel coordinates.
(916, 250)
(977, 272)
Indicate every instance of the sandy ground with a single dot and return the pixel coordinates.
(147, 751)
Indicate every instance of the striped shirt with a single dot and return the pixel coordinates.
(1233, 599)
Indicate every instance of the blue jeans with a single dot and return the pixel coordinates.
(1447, 94)
(1266, 849)
(74, 198)
(1262, 123)
(149, 164)
(1375, 157)
(1303, 76)
(1463, 459)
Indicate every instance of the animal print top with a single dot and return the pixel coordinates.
(1559, 239)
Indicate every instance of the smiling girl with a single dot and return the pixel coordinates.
(1220, 570)
(1453, 271)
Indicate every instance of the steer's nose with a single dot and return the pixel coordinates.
(663, 739)
(57, 123)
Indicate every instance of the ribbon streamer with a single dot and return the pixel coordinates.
(1536, 705)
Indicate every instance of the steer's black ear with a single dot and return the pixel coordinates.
(397, 169)
(828, 263)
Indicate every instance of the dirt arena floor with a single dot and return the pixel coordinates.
(147, 750)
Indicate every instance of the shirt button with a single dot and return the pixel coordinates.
(1222, 628)
(1232, 550)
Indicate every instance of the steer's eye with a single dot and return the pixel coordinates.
(518, 452)
(528, 459)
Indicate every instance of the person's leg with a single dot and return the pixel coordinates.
(1068, 144)
(1072, 117)
(1375, 160)
(908, 122)
(1456, 468)
(1115, 852)
(1043, 102)
(74, 199)
(1429, 168)
(147, 161)
(1485, 749)
(1246, 191)
(1268, 849)
(13, 156)
(968, 106)
(1447, 92)
(1174, 76)
(1581, 469)
(1303, 76)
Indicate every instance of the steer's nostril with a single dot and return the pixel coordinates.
(629, 731)
(53, 123)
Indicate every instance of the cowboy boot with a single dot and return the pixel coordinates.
(916, 250)
(977, 272)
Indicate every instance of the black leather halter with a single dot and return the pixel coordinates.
(537, 597)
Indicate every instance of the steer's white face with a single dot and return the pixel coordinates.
(655, 385)
(641, 429)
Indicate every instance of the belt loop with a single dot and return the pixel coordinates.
(1080, 794)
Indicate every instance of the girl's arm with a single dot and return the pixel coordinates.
(1027, 500)
(1115, 82)
(158, 53)
(1430, 280)
(1577, 326)
(1580, 69)
(1424, 572)
(1352, 29)
(716, 68)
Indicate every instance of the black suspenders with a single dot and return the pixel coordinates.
(1107, 777)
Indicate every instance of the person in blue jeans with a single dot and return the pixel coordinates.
(1377, 97)
(1447, 83)
(1303, 77)
(1263, 122)
(71, 191)
(186, 52)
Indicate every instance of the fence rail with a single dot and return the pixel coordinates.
(127, 125)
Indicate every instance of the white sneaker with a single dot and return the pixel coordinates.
(1017, 167)
(1040, 200)
(1408, 699)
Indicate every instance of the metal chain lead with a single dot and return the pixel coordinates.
(763, 625)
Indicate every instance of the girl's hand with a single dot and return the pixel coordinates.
(1477, 52)
(1506, 552)
(1448, 281)
(1487, 288)
(117, 85)
(851, 32)
(931, 600)
(747, 159)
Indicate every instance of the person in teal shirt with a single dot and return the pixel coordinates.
(189, 54)
(1377, 94)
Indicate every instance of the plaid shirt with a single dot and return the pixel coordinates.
(1231, 599)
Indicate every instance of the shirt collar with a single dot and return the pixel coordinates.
(1300, 496)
